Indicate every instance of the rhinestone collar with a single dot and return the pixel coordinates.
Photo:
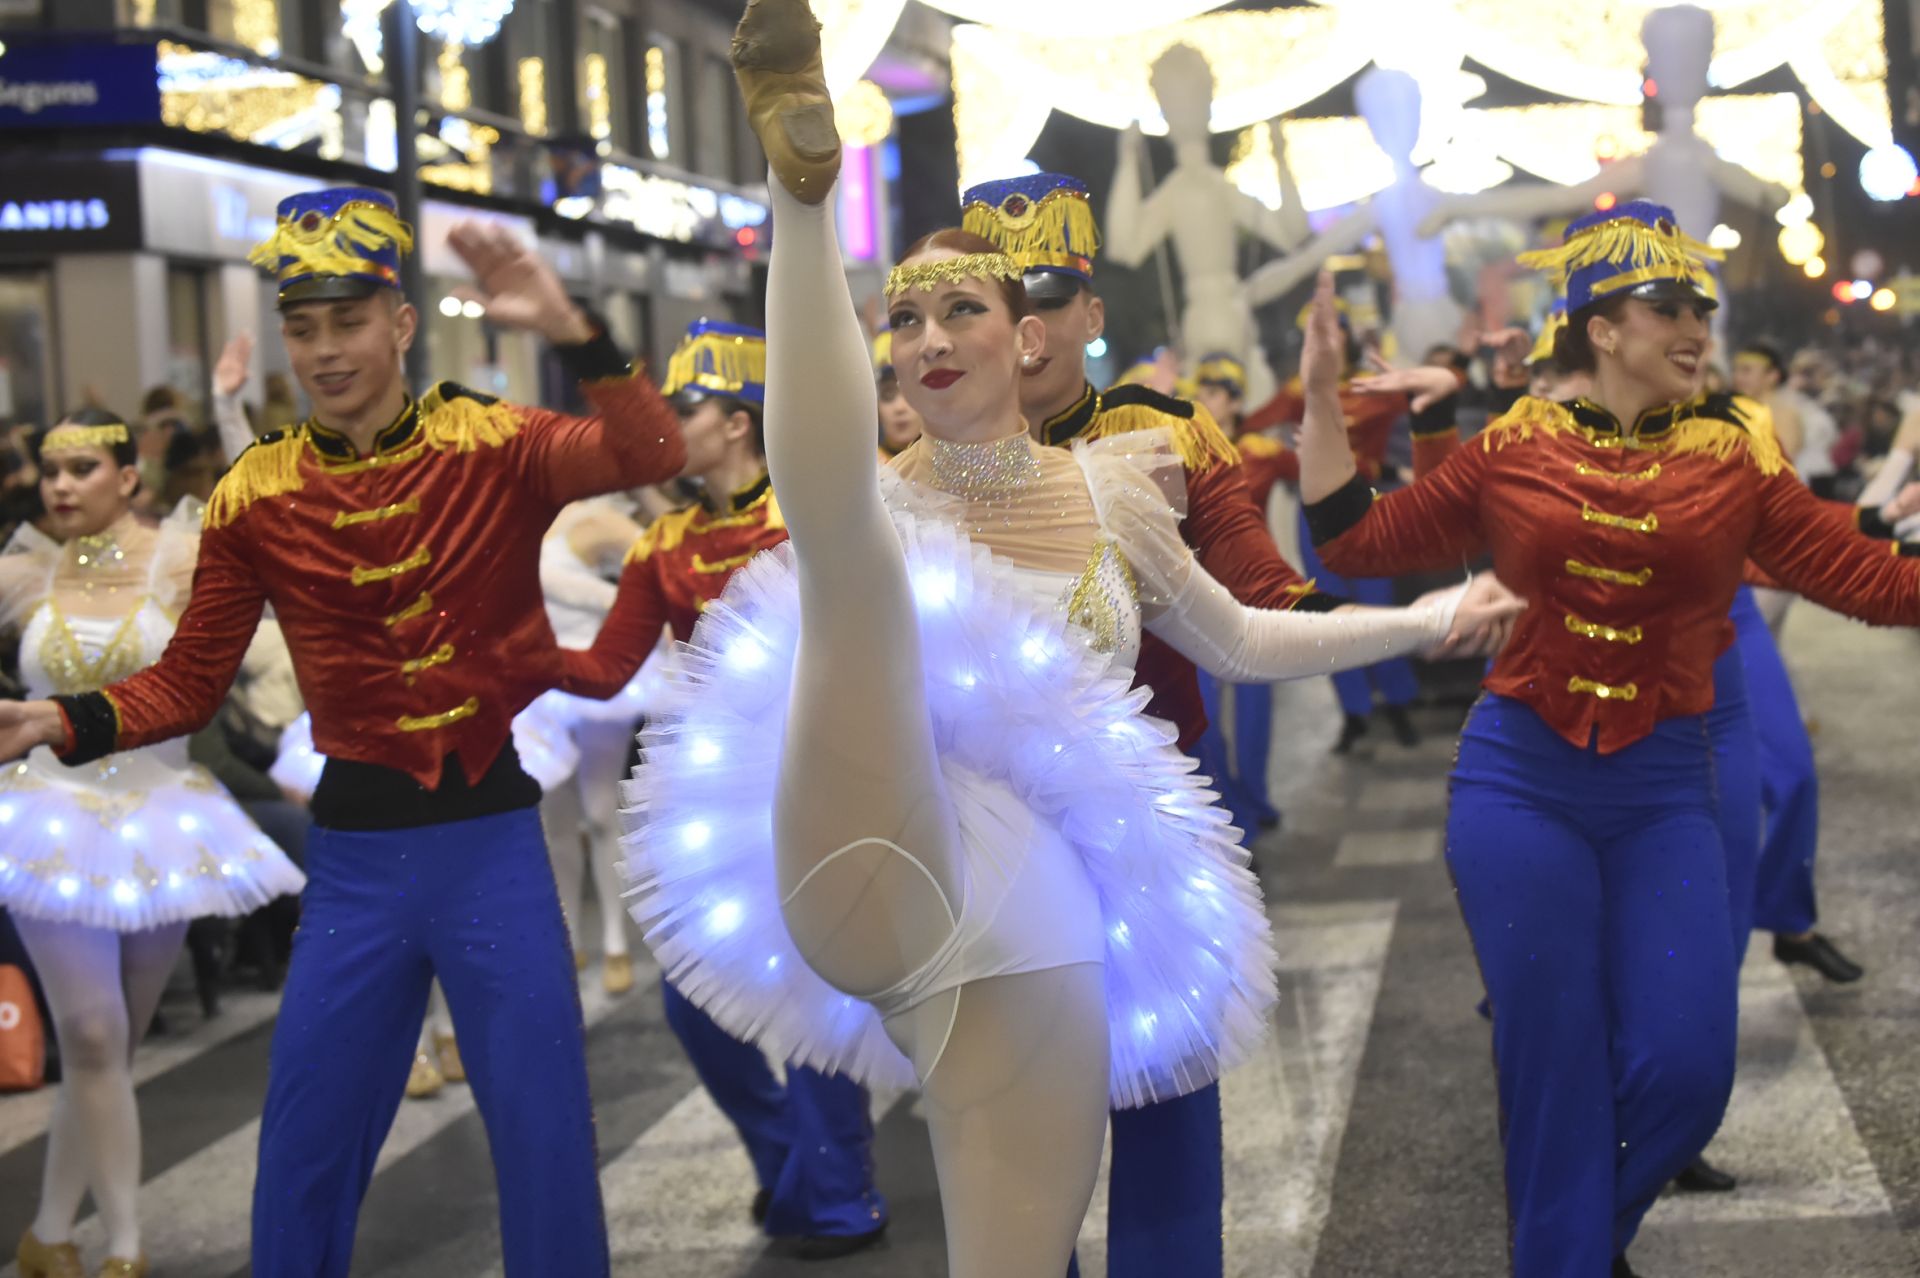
(997, 468)
(98, 550)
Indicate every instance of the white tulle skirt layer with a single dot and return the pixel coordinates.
(542, 738)
(130, 842)
(1024, 712)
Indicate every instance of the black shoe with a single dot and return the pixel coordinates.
(1351, 731)
(833, 1246)
(1402, 724)
(1621, 1269)
(1818, 953)
(1702, 1177)
(762, 1204)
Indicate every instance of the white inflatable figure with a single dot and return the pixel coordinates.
(1423, 312)
(1200, 211)
(1680, 169)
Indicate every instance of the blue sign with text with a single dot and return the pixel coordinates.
(50, 85)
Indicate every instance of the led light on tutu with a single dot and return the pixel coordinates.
(934, 587)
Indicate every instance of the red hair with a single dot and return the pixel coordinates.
(954, 240)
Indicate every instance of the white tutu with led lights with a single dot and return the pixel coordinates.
(1025, 714)
(543, 740)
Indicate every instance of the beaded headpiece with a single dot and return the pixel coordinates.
(1635, 249)
(68, 437)
(947, 270)
(343, 242)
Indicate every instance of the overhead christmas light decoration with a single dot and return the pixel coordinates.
(863, 114)
(467, 22)
(1888, 172)
(1072, 19)
(1800, 244)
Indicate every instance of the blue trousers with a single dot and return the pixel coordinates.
(1165, 1190)
(1736, 767)
(1789, 787)
(1594, 888)
(1394, 680)
(473, 903)
(1239, 773)
(810, 1140)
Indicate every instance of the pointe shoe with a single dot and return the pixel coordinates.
(425, 1081)
(616, 973)
(48, 1260)
(776, 60)
(446, 1051)
(114, 1267)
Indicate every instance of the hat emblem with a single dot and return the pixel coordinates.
(310, 223)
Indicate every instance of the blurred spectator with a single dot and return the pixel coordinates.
(279, 411)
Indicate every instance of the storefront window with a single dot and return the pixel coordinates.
(662, 83)
(26, 356)
(188, 364)
(606, 107)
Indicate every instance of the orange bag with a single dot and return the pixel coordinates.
(23, 1040)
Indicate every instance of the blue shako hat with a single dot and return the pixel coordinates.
(1043, 221)
(343, 242)
(1635, 249)
(718, 358)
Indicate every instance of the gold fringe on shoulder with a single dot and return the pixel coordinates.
(267, 469)
(1722, 439)
(663, 534)
(463, 424)
(1198, 439)
(1525, 419)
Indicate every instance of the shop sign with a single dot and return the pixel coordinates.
(56, 85)
(63, 206)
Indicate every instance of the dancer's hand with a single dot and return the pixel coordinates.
(516, 285)
(1482, 621)
(26, 724)
(1905, 503)
(1425, 385)
(1324, 358)
(230, 372)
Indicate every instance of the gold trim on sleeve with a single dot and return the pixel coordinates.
(1651, 472)
(1594, 630)
(418, 559)
(722, 565)
(347, 518)
(1618, 577)
(1647, 523)
(1604, 691)
(412, 610)
(427, 722)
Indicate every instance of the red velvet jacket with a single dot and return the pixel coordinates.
(406, 582)
(1227, 532)
(1628, 547)
(1369, 419)
(680, 565)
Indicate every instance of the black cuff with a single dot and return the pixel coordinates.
(1907, 549)
(595, 359)
(96, 728)
(1317, 602)
(1341, 510)
(1869, 522)
(1436, 418)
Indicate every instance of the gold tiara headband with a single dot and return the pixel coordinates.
(949, 270)
(67, 437)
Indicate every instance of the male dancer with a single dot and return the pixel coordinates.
(810, 1140)
(1165, 1193)
(398, 541)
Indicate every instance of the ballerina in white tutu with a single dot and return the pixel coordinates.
(103, 867)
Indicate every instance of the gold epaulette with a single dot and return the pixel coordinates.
(1527, 417)
(268, 467)
(1723, 424)
(774, 518)
(451, 416)
(664, 533)
(1196, 436)
(1258, 446)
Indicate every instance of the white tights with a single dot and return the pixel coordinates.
(103, 988)
(1014, 1068)
(588, 805)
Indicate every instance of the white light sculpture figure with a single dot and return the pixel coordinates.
(1423, 313)
(1680, 170)
(1200, 213)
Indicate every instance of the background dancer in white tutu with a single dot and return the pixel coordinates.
(102, 868)
(989, 873)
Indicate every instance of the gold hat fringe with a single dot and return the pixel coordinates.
(64, 437)
(950, 270)
(1543, 346)
(1691, 432)
(1627, 242)
(717, 362)
(1221, 370)
(1060, 222)
(359, 225)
